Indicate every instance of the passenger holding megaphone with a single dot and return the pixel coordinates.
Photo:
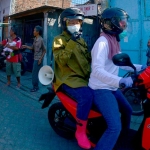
(72, 68)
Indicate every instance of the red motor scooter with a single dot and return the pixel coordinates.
(62, 114)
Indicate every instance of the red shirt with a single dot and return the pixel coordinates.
(17, 57)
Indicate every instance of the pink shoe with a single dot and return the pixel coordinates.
(81, 136)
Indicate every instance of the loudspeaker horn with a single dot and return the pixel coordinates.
(46, 75)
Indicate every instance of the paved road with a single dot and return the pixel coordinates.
(24, 125)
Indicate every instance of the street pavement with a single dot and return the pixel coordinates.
(35, 140)
(23, 124)
(26, 85)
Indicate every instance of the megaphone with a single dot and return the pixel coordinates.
(46, 75)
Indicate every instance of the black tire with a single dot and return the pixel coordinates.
(57, 116)
(134, 98)
(23, 67)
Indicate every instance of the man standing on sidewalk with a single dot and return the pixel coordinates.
(13, 64)
(39, 51)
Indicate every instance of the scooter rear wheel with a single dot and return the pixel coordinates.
(61, 121)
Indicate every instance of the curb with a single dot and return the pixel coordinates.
(23, 90)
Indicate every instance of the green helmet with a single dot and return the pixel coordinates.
(71, 13)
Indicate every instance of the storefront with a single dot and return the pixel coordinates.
(44, 16)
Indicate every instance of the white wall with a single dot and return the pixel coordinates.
(4, 8)
(4, 11)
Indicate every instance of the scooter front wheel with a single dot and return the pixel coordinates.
(135, 99)
(61, 121)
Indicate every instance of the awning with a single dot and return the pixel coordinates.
(34, 11)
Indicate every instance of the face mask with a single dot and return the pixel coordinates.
(74, 28)
(123, 35)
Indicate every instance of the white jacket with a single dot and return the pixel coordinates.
(104, 74)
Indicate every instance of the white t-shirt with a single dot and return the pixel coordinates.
(104, 74)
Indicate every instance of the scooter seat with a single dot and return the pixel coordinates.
(92, 108)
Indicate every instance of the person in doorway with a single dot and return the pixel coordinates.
(72, 68)
(39, 51)
(104, 79)
(13, 64)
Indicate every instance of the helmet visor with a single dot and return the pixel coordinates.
(75, 17)
(125, 24)
(73, 21)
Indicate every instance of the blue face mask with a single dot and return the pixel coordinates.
(123, 35)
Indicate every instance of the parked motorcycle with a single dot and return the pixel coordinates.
(62, 114)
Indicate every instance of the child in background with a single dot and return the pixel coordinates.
(148, 53)
(7, 49)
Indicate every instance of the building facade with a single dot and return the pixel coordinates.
(18, 6)
(4, 9)
(136, 42)
(26, 14)
(4, 13)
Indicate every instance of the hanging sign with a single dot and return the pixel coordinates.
(89, 10)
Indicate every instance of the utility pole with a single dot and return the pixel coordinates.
(62, 3)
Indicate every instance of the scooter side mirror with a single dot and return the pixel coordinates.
(123, 59)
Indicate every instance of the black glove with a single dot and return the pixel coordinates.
(76, 35)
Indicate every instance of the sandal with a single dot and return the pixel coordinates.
(34, 90)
